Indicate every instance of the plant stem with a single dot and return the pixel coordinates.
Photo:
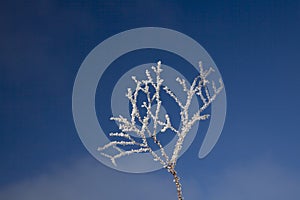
(176, 179)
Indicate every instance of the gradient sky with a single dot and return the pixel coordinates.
(255, 45)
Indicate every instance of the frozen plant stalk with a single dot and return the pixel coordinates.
(197, 88)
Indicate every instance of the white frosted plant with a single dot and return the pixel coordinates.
(198, 88)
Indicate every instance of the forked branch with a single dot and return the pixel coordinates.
(198, 88)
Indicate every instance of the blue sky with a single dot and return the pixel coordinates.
(255, 45)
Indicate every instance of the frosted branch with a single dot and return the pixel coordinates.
(199, 84)
(198, 87)
(169, 92)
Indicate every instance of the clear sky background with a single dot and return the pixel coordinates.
(255, 45)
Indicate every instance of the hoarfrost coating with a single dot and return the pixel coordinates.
(198, 88)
